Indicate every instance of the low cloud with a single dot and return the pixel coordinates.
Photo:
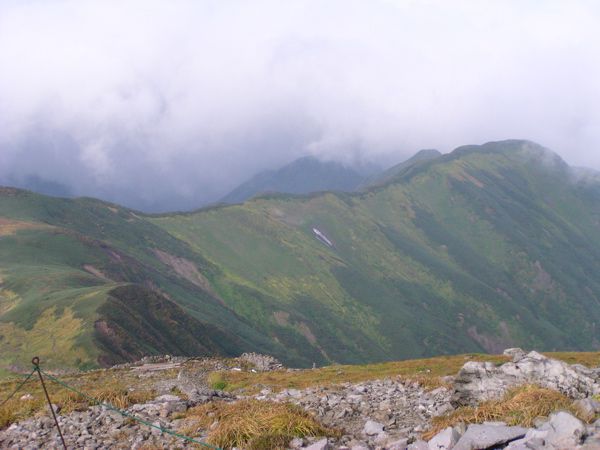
(167, 105)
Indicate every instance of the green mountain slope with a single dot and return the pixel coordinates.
(487, 247)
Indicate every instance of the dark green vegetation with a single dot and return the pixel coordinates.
(487, 247)
(302, 176)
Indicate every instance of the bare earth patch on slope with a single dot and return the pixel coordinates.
(9, 226)
(187, 270)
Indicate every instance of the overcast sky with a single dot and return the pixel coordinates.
(169, 104)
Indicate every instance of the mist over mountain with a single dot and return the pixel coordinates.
(174, 111)
(303, 176)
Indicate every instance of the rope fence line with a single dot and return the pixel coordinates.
(95, 401)
(18, 388)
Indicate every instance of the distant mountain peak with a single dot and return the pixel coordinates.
(304, 175)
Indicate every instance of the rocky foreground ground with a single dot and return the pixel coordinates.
(391, 413)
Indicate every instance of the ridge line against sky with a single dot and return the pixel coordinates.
(165, 105)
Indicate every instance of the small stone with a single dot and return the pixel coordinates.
(418, 445)
(295, 393)
(398, 444)
(382, 438)
(319, 445)
(26, 397)
(372, 428)
(167, 398)
(296, 443)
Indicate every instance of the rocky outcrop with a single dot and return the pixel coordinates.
(372, 414)
(101, 429)
(480, 381)
(261, 363)
(561, 431)
(388, 414)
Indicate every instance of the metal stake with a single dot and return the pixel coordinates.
(36, 363)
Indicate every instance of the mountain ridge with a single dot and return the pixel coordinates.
(475, 250)
(304, 175)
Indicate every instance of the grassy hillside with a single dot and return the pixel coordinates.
(487, 247)
(484, 248)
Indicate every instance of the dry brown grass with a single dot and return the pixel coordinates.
(115, 392)
(253, 424)
(520, 406)
(426, 371)
(113, 385)
(589, 359)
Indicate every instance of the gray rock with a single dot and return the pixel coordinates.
(515, 353)
(480, 381)
(372, 428)
(382, 438)
(296, 443)
(587, 407)
(167, 398)
(486, 436)
(319, 445)
(261, 363)
(444, 440)
(533, 439)
(398, 444)
(418, 445)
(564, 430)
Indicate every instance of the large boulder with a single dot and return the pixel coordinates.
(261, 363)
(444, 440)
(488, 436)
(480, 381)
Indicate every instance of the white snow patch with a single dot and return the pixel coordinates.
(321, 236)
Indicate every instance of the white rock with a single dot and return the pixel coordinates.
(382, 438)
(531, 439)
(444, 440)
(319, 445)
(167, 398)
(296, 443)
(486, 436)
(564, 430)
(418, 445)
(479, 381)
(587, 407)
(515, 353)
(372, 428)
(398, 444)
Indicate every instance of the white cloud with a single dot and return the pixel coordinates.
(162, 99)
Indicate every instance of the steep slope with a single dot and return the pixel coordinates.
(487, 247)
(302, 176)
(483, 248)
(63, 261)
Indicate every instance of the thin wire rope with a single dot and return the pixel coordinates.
(19, 386)
(126, 414)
